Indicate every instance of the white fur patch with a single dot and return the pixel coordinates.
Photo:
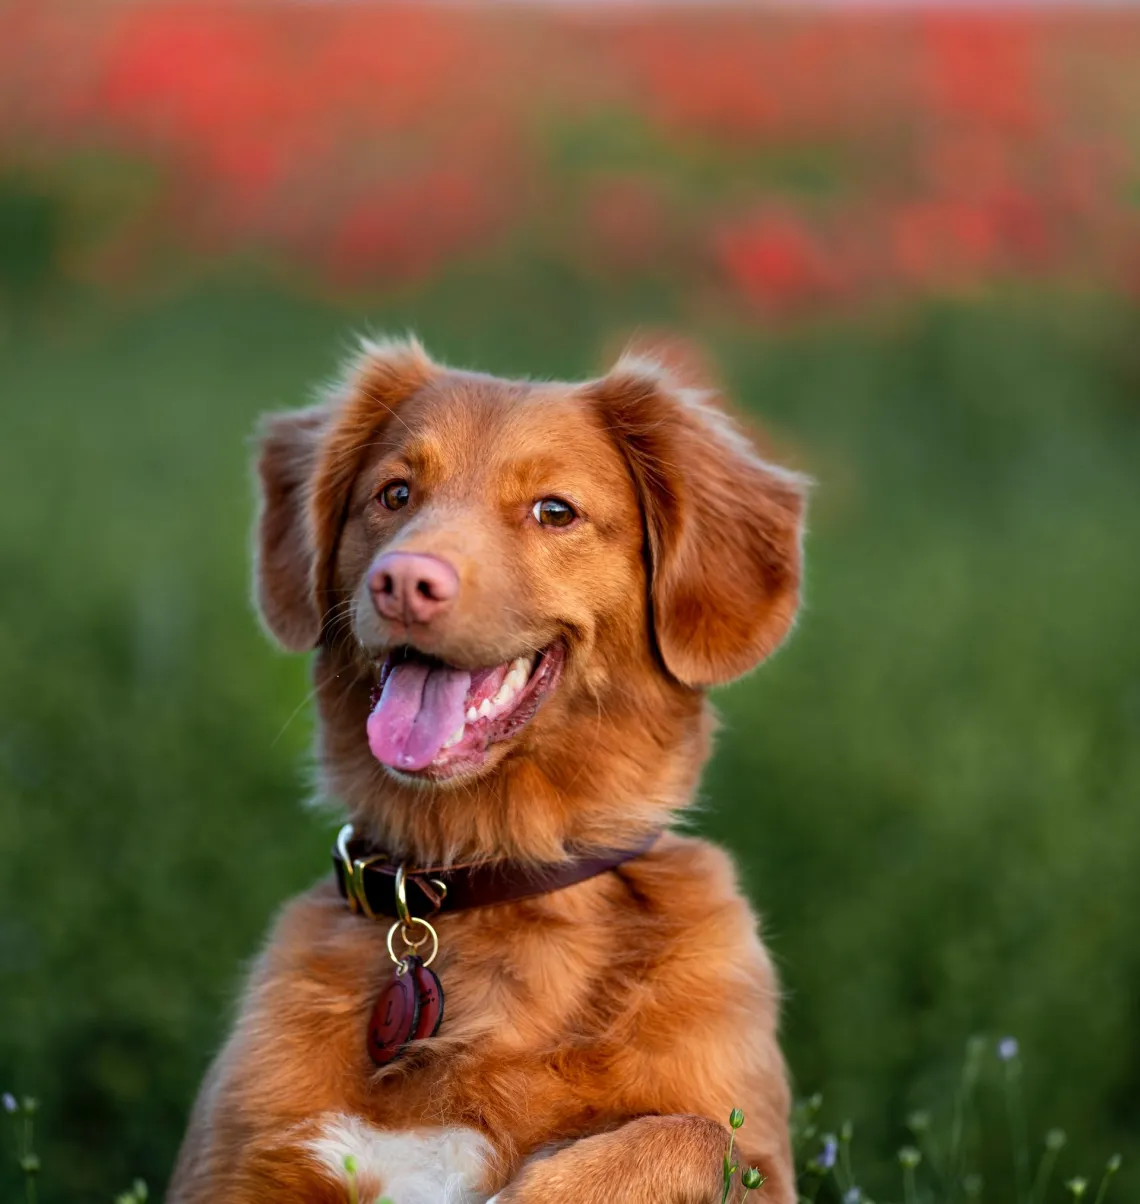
(409, 1166)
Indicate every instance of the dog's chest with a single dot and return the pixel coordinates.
(410, 1166)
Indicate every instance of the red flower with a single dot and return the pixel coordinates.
(907, 151)
(775, 261)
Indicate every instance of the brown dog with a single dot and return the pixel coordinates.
(518, 594)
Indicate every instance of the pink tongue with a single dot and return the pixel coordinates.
(419, 708)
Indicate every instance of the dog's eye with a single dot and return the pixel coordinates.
(394, 495)
(554, 512)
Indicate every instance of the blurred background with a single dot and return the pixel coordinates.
(908, 241)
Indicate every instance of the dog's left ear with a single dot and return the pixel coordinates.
(283, 563)
(307, 463)
(723, 527)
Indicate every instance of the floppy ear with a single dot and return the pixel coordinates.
(306, 466)
(283, 565)
(723, 527)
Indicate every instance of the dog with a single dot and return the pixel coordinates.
(518, 594)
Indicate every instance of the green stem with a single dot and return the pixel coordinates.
(958, 1126)
(1044, 1174)
(353, 1195)
(929, 1148)
(1017, 1130)
(728, 1168)
(29, 1173)
(1106, 1178)
(909, 1191)
(845, 1163)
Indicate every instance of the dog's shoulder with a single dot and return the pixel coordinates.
(689, 875)
(690, 923)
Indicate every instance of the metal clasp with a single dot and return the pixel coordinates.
(354, 890)
(407, 924)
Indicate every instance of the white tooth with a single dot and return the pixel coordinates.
(454, 738)
(505, 694)
(484, 708)
(518, 677)
(472, 714)
(521, 664)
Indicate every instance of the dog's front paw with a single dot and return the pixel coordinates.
(540, 1183)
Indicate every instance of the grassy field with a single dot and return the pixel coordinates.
(932, 791)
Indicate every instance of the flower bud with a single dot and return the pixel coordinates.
(829, 1153)
(1008, 1049)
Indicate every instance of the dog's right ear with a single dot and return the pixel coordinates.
(285, 545)
(307, 464)
(723, 527)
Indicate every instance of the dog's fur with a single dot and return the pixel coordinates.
(596, 1037)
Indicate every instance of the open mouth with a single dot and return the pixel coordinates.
(433, 719)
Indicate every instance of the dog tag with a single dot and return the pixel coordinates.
(431, 1000)
(395, 1017)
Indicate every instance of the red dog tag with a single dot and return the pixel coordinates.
(431, 1000)
(394, 1018)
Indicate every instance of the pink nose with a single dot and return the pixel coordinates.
(408, 587)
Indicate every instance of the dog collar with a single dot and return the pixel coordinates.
(410, 1008)
(373, 883)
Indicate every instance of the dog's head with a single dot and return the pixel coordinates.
(519, 586)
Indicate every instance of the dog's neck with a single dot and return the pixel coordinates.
(616, 772)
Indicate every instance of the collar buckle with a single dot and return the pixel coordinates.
(355, 891)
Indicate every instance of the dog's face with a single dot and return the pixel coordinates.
(492, 533)
(500, 565)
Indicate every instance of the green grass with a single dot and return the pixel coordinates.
(932, 791)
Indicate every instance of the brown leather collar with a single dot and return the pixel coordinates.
(367, 878)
